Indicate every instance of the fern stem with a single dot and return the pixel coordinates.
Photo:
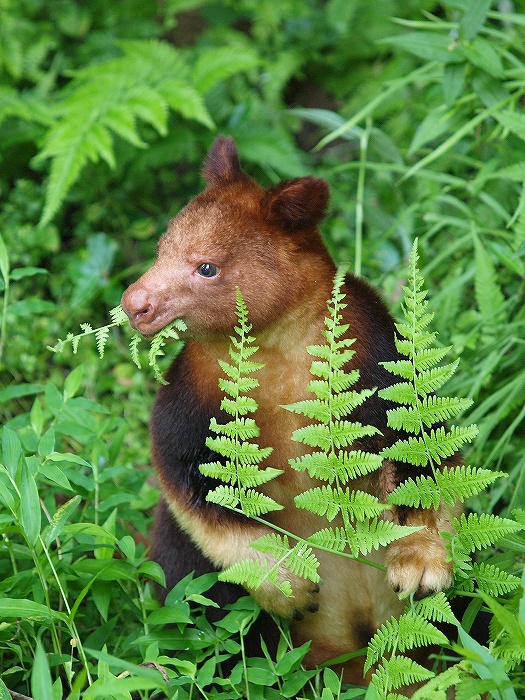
(307, 543)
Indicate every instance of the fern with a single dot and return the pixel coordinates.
(119, 318)
(113, 97)
(420, 410)
(449, 485)
(240, 469)
(332, 433)
(481, 531)
(298, 559)
(398, 634)
(253, 574)
(493, 580)
(395, 672)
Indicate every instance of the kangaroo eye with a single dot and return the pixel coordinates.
(208, 270)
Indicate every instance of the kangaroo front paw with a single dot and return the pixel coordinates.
(419, 564)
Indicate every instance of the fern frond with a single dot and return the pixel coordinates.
(237, 450)
(483, 530)
(434, 447)
(217, 64)
(109, 98)
(341, 466)
(338, 434)
(436, 608)
(430, 380)
(329, 538)
(408, 632)
(101, 338)
(244, 428)
(134, 349)
(395, 672)
(329, 502)
(460, 483)
(253, 574)
(431, 410)
(450, 484)
(223, 495)
(169, 332)
(252, 503)
(371, 534)
(233, 440)
(493, 580)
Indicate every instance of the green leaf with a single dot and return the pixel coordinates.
(59, 520)
(453, 82)
(4, 262)
(513, 121)
(108, 98)
(480, 531)
(482, 54)
(473, 18)
(487, 667)
(4, 691)
(12, 451)
(27, 610)
(29, 511)
(41, 683)
(431, 46)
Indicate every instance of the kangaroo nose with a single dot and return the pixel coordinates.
(138, 306)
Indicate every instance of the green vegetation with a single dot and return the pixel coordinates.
(411, 110)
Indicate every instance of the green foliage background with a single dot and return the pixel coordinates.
(413, 111)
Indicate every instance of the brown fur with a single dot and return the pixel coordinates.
(266, 242)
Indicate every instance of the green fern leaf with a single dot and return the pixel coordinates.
(253, 574)
(254, 503)
(219, 64)
(402, 392)
(431, 410)
(429, 380)
(408, 632)
(233, 439)
(436, 608)
(494, 581)
(421, 492)
(413, 451)
(460, 483)
(109, 98)
(328, 502)
(480, 531)
(371, 534)
(240, 405)
(246, 452)
(101, 338)
(434, 447)
(118, 316)
(450, 485)
(134, 349)
(340, 466)
(299, 560)
(334, 540)
(223, 495)
(338, 434)
(244, 428)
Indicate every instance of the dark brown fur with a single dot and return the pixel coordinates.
(267, 243)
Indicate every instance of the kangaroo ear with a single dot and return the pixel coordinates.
(222, 164)
(298, 203)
